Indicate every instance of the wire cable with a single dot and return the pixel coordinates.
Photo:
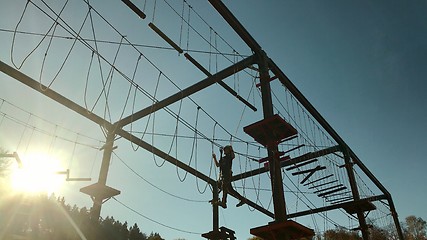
(154, 221)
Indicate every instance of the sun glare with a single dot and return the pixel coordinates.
(38, 174)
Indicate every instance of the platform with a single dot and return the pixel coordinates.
(100, 191)
(223, 234)
(271, 131)
(359, 206)
(287, 230)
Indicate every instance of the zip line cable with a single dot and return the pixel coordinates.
(41, 119)
(34, 128)
(154, 221)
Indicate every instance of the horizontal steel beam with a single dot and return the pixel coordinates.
(333, 207)
(8, 70)
(219, 76)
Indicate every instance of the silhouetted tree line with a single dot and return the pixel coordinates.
(50, 218)
(414, 228)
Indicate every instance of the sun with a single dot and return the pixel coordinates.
(38, 174)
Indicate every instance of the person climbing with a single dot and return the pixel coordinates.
(225, 166)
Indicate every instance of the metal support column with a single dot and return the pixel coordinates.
(103, 173)
(395, 218)
(215, 208)
(355, 192)
(275, 169)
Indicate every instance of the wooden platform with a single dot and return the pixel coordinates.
(359, 206)
(100, 191)
(283, 231)
(270, 131)
(223, 234)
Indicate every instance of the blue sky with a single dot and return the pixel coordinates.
(361, 64)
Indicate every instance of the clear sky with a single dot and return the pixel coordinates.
(362, 64)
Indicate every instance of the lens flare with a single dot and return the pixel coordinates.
(38, 174)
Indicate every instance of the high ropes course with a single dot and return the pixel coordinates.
(185, 93)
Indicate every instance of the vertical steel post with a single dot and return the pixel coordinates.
(275, 169)
(395, 218)
(103, 173)
(355, 192)
(215, 208)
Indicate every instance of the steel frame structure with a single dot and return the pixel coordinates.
(265, 66)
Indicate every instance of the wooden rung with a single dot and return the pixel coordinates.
(311, 173)
(323, 184)
(166, 38)
(288, 138)
(267, 159)
(338, 194)
(339, 199)
(318, 180)
(134, 8)
(266, 164)
(293, 149)
(279, 154)
(328, 188)
(301, 164)
(317, 168)
(332, 191)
